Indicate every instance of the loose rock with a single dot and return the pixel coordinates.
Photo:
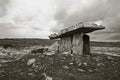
(31, 61)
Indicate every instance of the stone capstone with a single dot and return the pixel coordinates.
(82, 27)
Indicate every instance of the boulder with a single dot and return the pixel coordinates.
(31, 61)
(41, 50)
(46, 77)
(53, 36)
(50, 53)
(53, 47)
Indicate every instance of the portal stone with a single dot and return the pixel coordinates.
(77, 44)
(65, 44)
(86, 45)
(74, 38)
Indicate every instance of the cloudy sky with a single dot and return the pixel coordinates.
(40, 18)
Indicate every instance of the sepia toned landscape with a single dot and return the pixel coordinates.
(31, 59)
(59, 39)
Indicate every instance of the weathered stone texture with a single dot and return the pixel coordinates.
(54, 47)
(72, 44)
(82, 27)
(53, 36)
(77, 44)
(74, 40)
(65, 44)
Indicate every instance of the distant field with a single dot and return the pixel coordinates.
(17, 43)
(26, 42)
(105, 44)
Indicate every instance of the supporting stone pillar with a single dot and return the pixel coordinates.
(72, 44)
(65, 44)
(77, 44)
(86, 45)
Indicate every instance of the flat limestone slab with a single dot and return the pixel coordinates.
(82, 27)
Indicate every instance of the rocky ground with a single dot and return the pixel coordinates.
(50, 65)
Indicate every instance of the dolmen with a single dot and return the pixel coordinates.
(74, 39)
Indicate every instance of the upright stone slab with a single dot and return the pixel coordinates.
(65, 44)
(86, 45)
(77, 44)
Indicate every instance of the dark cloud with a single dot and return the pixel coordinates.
(20, 19)
(106, 11)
